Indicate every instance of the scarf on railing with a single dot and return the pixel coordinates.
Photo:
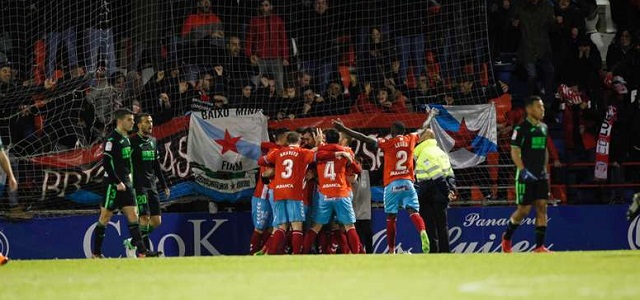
(604, 140)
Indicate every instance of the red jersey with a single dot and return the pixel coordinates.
(332, 177)
(398, 157)
(290, 169)
(261, 188)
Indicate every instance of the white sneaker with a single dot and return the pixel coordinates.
(129, 248)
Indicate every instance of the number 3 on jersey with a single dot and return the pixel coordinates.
(401, 156)
(329, 170)
(288, 168)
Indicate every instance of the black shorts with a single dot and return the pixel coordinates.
(148, 201)
(527, 192)
(115, 199)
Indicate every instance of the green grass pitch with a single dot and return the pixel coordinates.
(561, 275)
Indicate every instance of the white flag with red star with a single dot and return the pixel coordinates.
(223, 149)
(466, 132)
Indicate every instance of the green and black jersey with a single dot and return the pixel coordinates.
(532, 141)
(146, 162)
(117, 159)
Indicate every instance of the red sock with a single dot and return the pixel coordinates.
(309, 238)
(323, 242)
(289, 239)
(333, 243)
(256, 242)
(296, 241)
(354, 240)
(418, 222)
(266, 235)
(277, 242)
(391, 234)
(342, 241)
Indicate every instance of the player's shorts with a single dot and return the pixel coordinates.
(273, 208)
(261, 213)
(115, 199)
(342, 206)
(528, 192)
(400, 193)
(148, 201)
(288, 211)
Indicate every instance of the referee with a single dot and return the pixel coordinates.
(529, 154)
(436, 186)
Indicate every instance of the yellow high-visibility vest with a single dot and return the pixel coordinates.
(431, 162)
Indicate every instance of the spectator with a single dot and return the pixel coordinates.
(423, 94)
(376, 58)
(365, 103)
(469, 90)
(317, 35)
(406, 24)
(569, 17)
(17, 104)
(629, 69)
(338, 103)
(303, 83)
(313, 105)
(62, 21)
(583, 67)
(238, 67)
(149, 29)
(619, 50)
(247, 99)
(100, 35)
(204, 38)
(106, 96)
(268, 44)
(503, 37)
(535, 20)
(384, 102)
(289, 105)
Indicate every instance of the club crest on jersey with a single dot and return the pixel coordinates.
(108, 146)
(514, 135)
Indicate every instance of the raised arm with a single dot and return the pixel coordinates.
(432, 113)
(337, 124)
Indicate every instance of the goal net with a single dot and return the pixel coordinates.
(67, 65)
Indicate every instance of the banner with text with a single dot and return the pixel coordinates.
(224, 146)
(472, 230)
(76, 175)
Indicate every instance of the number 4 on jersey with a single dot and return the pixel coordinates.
(329, 170)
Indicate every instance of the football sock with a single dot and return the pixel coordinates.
(145, 230)
(296, 241)
(391, 234)
(277, 240)
(309, 238)
(136, 237)
(354, 240)
(511, 228)
(256, 242)
(98, 238)
(418, 222)
(541, 231)
(341, 238)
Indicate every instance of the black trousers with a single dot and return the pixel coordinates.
(433, 209)
(365, 232)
